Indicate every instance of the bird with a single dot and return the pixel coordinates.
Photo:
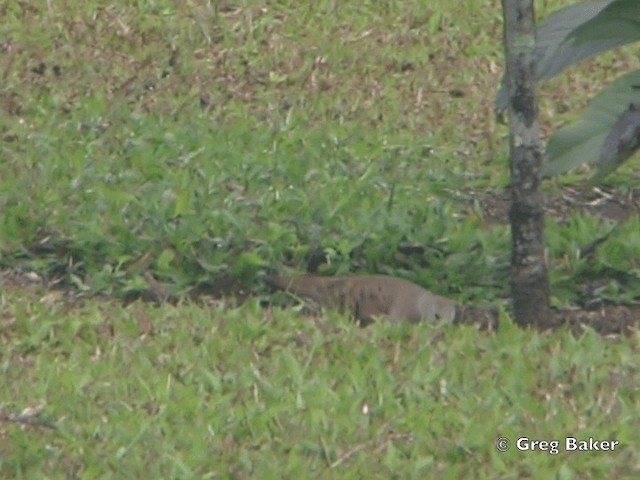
(367, 297)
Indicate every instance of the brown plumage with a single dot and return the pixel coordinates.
(369, 296)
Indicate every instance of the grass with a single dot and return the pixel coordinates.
(199, 141)
(190, 392)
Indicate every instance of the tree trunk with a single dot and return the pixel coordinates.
(529, 272)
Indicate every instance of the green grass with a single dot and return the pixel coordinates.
(240, 393)
(204, 141)
(201, 141)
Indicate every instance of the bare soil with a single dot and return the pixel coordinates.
(605, 202)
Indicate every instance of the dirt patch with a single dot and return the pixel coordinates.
(605, 319)
(607, 203)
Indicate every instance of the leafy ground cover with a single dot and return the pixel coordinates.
(167, 149)
(102, 390)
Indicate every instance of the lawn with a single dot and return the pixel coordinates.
(195, 146)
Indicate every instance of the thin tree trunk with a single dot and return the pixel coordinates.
(529, 272)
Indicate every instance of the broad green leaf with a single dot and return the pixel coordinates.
(595, 28)
(553, 56)
(577, 32)
(580, 142)
(620, 144)
(616, 24)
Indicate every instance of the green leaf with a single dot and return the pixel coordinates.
(573, 34)
(247, 264)
(164, 260)
(182, 203)
(621, 143)
(590, 28)
(580, 142)
(553, 33)
(616, 24)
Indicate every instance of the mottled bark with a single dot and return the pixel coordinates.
(529, 271)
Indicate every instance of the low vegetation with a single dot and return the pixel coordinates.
(198, 145)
